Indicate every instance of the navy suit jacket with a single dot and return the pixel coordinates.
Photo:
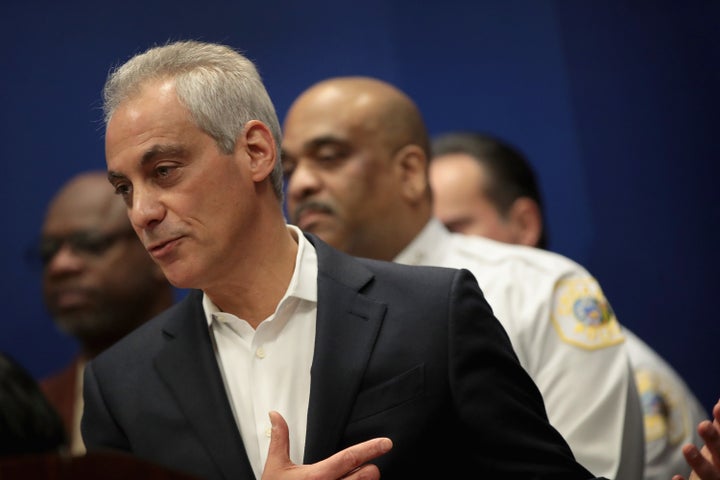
(411, 353)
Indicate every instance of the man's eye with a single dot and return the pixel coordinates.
(327, 157)
(332, 155)
(48, 248)
(91, 243)
(122, 189)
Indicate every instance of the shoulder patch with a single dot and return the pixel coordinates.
(663, 414)
(582, 316)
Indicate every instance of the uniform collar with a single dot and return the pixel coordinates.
(424, 249)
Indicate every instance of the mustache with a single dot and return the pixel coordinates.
(311, 205)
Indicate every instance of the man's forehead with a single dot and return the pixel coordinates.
(154, 100)
(147, 133)
(82, 213)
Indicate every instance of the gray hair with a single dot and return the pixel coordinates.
(220, 87)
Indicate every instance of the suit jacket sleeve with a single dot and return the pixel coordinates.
(498, 403)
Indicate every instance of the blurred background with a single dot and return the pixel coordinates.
(616, 103)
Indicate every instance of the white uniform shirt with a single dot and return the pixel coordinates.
(269, 368)
(565, 336)
(671, 411)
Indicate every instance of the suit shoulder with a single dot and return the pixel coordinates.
(413, 281)
(147, 338)
(392, 269)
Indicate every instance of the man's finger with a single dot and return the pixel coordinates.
(366, 472)
(701, 467)
(351, 458)
(709, 433)
(279, 449)
(351, 463)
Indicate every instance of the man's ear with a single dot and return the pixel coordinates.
(259, 145)
(410, 163)
(526, 221)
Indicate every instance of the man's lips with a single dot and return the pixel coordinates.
(70, 299)
(162, 248)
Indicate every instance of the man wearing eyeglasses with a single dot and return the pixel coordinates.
(99, 283)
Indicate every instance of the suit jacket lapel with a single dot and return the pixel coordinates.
(347, 325)
(188, 366)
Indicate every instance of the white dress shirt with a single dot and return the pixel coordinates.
(269, 368)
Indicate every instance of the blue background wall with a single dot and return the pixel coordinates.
(615, 102)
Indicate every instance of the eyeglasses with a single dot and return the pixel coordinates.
(83, 243)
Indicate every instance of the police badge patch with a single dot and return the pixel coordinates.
(582, 315)
(663, 409)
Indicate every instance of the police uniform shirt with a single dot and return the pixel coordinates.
(671, 411)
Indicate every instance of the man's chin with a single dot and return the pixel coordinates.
(78, 324)
(183, 275)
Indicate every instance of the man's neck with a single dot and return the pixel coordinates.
(253, 295)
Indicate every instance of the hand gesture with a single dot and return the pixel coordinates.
(706, 462)
(350, 463)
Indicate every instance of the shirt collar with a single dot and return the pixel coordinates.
(425, 247)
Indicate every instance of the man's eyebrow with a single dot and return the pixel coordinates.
(160, 151)
(153, 153)
(112, 175)
(318, 142)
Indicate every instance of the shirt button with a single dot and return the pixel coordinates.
(268, 432)
(260, 352)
